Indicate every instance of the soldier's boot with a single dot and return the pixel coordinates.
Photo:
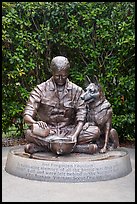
(33, 148)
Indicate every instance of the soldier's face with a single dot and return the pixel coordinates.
(60, 76)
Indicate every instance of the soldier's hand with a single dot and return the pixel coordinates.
(73, 138)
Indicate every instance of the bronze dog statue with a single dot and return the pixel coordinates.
(99, 113)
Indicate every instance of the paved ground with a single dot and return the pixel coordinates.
(15, 189)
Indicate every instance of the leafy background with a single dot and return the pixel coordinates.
(98, 38)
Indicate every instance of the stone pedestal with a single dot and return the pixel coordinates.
(73, 168)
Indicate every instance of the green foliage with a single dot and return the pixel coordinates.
(97, 38)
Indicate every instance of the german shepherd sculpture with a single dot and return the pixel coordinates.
(99, 113)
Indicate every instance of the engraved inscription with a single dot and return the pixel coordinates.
(66, 172)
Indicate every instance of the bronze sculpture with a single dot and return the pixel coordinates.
(65, 119)
(56, 111)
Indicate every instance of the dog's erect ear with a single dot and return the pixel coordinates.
(87, 81)
(95, 80)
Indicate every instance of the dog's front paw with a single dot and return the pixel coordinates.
(103, 150)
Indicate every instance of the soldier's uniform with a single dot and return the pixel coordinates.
(61, 112)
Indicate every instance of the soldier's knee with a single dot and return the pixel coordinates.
(94, 130)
